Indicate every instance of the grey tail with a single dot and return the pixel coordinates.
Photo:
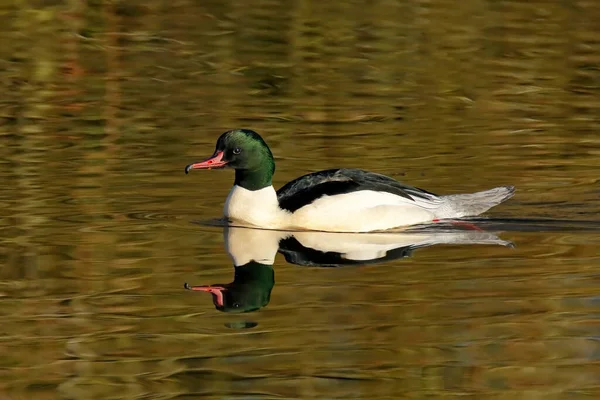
(472, 204)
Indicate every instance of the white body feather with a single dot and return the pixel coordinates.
(360, 211)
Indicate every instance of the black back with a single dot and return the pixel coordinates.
(308, 188)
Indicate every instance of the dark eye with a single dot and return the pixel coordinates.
(237, 151)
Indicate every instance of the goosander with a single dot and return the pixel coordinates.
(253, 254)
(334, 200)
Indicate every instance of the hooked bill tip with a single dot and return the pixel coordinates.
(187, 285)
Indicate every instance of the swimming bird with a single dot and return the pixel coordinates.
(334, 200)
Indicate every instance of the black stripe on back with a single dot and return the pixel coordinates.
(308, 188)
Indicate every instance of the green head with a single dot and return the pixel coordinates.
(246, 152)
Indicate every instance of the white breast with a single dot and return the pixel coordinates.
(256, 208)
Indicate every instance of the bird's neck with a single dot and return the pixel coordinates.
(256, 178)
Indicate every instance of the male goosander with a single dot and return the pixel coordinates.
(334, 200)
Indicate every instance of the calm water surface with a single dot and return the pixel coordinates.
(104, 103)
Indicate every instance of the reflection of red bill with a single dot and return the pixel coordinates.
(216, 161)
(216, 291)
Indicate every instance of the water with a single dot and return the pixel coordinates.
(104, 104)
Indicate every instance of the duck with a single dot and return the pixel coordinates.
(333, 200)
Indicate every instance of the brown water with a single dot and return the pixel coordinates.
(104, 103)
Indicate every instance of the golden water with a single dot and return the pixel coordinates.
(104, 103)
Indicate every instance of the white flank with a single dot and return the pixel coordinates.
(360, 211)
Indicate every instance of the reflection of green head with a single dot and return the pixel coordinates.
(249, 291)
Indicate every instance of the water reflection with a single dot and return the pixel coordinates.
(249, 291)
(253, 253)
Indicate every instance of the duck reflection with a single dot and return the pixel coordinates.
(253, 253)
(249, 291)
